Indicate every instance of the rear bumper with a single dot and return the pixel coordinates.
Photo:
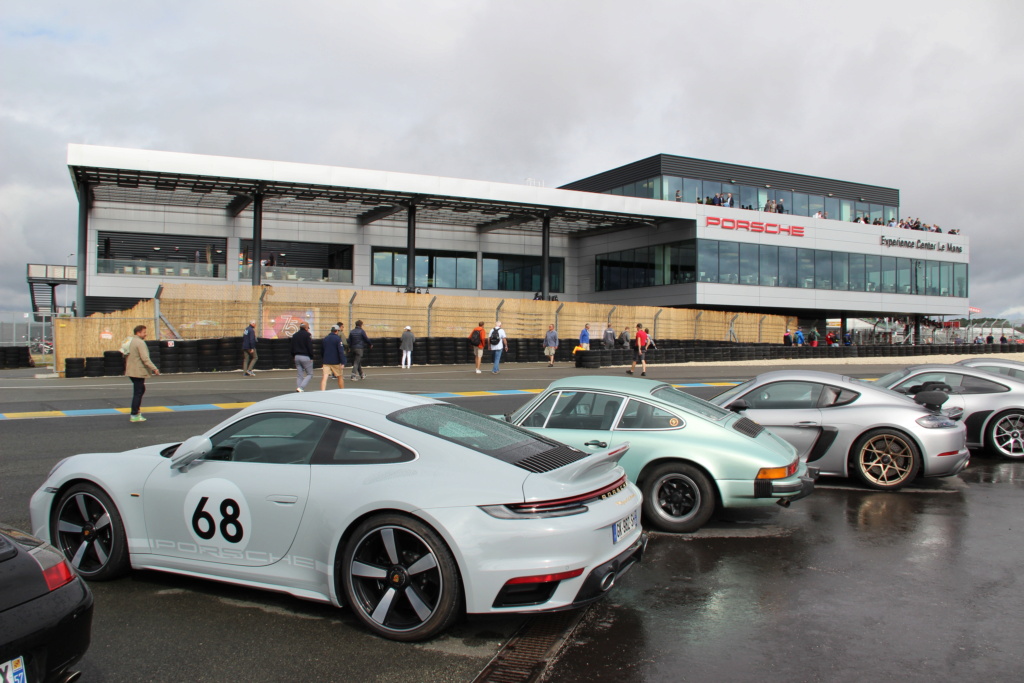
(603, 577)
(801, 488)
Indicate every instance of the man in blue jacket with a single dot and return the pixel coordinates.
(358, 342)
(249, 354)
(334, 359)
(798, 340)
(302, 352)
(585, 337)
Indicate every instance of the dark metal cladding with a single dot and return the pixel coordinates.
(747, 426)
(551, 460)
(762, 488)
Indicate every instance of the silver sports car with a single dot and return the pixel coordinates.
(993, 405)
(1000, 366)
(848, 427)
(405, 508)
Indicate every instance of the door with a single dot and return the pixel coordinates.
(790, 409)
(582, 419)
(243, 503)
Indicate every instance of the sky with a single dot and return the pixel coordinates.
(923, 96)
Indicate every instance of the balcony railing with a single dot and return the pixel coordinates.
(160, 268)
(289, 274)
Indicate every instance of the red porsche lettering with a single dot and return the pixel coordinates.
(754, 226)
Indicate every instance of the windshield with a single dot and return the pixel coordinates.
(892, 378)
(690, 403)
(728, 395)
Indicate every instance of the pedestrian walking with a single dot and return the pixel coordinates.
(585, 337)
(302, 353)
(498, 342)
(138, 366)
(787, 339)
(333, 352)
(406, 344)
(249, 354)
(798, 338)
(551, 344)
(608, 339)
(639, 351)
(477, 339)
(359, 343)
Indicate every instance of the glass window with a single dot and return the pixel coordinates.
(787, 267)
(945, 279)
(748, 264)
(832, 208)
(875, 212)
(383, 263)
(762, 198)
(822, 269)
(466, 273)
(584, 410)
(840, 270)
(401, 276)
(920, 277)
(707, 260)
(616, 190)
(960, 279)
(684, 262)
(861, 211)
(520, 273)
(692, 190)
(672, 188)
(646, 188)
(805, 268)
(711, 189)
(748, 197)
(734, 190)
(355, 446)
(683, 400)
(857, 273)
(539, 416)
(846, 210)
(933, 278)
(873, 271)
(890, 213)
(784, 396)
(728, 263)
(903, 276)
(662, 264)
(769, 265)
(278, 438)
(889, 274)
(799, 204)
(445, 272)
(490, 273)
(787, 200)
(815, 204)
(638, 415)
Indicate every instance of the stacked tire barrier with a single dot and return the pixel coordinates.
(225, 354)
(12, 357)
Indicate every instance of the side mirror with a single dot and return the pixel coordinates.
(194, 448)
(738, 405)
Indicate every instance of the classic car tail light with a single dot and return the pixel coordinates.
(778, 472)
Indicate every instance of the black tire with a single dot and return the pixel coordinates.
(86, 526)
(1004, 434)
(384, 594)
(678, 498)
(885, 459)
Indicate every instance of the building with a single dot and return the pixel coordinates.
(629, 236)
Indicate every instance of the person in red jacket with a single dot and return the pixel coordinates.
(640, 350)
(477, 343)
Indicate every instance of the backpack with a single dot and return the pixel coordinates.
(474, 338)
(126, 346)
(495, 337)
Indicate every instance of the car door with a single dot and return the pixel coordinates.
(788, 408)
(241, 504)
(582, 419)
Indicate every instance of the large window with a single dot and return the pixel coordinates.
(161, 255)
(769, 266)
(787, 267)
(805, 268)
(448, 269)
(521, 273)
(707, 260)
(840, 270)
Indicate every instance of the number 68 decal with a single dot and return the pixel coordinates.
(216, 513)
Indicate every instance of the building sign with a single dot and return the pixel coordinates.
(754, 226)
(972, 309)
(921, 244)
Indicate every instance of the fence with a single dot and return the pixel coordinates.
(195, 311)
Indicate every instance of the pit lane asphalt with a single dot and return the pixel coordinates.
(845, 585)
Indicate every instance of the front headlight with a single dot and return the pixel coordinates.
(936, 422)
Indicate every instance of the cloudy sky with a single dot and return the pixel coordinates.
(924, 96)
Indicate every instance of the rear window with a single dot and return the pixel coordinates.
(683, 400)
(480, 433)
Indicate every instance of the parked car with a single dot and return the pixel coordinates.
(992, 404)
(45, 611)
(848, 427)
(686, 455)
(407, 509)
(999, 366)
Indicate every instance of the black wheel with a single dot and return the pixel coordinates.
(87, 527)
(885, 459)
(678, 497)
(1005, 434)
(400, 578)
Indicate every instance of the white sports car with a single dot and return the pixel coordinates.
(407, 509)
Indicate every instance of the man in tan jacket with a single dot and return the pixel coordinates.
(138, 367)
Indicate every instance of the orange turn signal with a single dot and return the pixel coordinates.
(777, 472)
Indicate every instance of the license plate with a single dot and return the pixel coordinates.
(13, 671)
(624, 526)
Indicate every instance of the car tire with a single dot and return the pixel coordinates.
(86, 526)
(400, 578)
(1004, 435)
(885, 459)
(678, 497)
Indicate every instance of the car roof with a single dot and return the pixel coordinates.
(965, 369)
(339, 402)
(985, 360)
(626, 385)
(860, 386)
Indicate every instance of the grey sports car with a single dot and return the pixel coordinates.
(993, 405)
(1000, 366)
(849, 427)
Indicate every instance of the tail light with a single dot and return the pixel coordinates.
(558, 507)
(778, 472)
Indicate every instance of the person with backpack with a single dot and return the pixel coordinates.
(477, 339)
(137, 368)
(359, 343)
(551, 344)
(249, 354)
(624, 339)
(498, 342)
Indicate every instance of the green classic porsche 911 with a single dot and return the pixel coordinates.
(685, 454)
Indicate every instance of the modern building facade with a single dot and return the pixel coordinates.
(629, 236)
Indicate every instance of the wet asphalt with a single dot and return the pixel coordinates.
(845, 585)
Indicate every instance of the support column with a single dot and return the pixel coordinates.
(257, 238)
(410, 248)
(83, 248)
(545, 258)
(917, 330)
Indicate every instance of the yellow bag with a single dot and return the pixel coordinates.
(578, 348)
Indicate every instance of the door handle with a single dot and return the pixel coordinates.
(806, 423)
(284, 500)
(595, 442)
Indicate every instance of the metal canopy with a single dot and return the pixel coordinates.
(234, 196)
